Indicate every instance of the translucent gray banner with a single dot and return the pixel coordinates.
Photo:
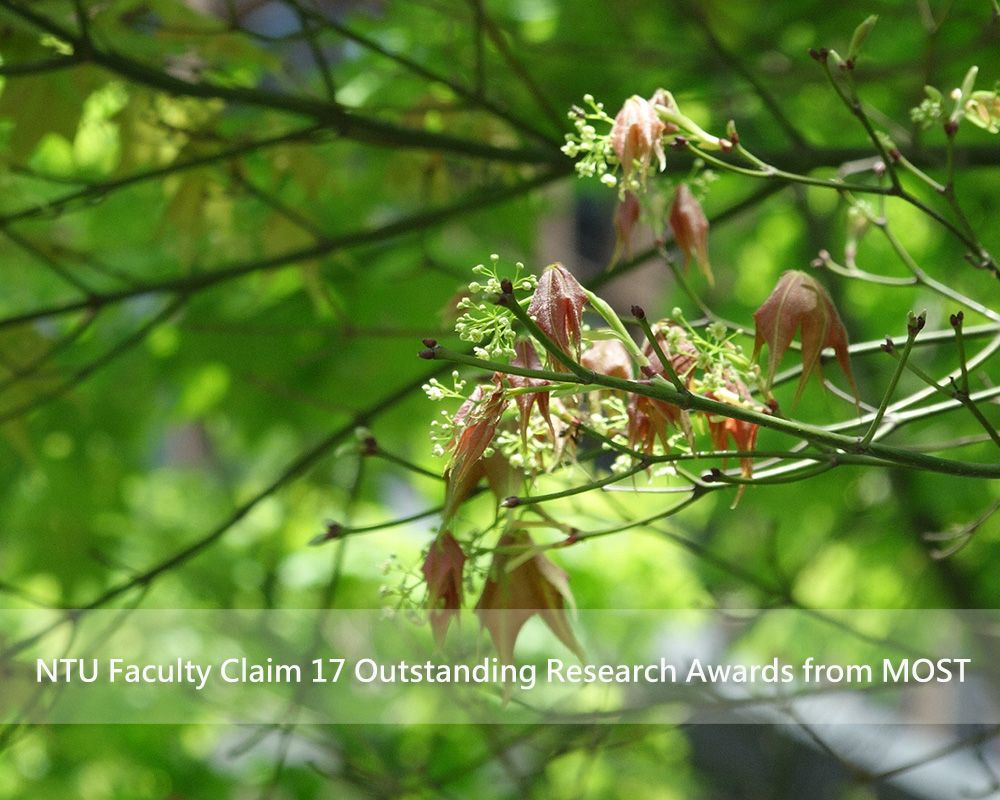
(366, 667)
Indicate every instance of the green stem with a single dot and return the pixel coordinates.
(791, 477)
(563, 386)
(408, 465)
(920, 174)
(614, 322)
(665, 361)
(853, 102)
(376, 527)
(917, 271)
(510, 302)
(773, 172)
(900, 366)
(692, 401)
(614, 477)
(960, 341)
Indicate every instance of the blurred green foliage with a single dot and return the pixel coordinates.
(133, 459)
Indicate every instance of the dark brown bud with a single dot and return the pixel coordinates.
(638, 312)
(957, 319)
(888, 346)
(333, 531)
(429, 342)
(430, 353)
(506, 286)
(951, 127)
(915, 322)
(369, 446)
(510, 502)
(819, 55)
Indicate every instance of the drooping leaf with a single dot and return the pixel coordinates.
(557, 308)
(636, 135)
(512, 596)
(690, 228)
(442, 571)
(608, 357)
(743, 434)
(626, 217)
(649, 419)
(525, 356)
(676, 346)
(477, 418)
(799, 303)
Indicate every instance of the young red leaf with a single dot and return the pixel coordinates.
(676, 346)
(443, 573)
(626, 217)
(743, 433)
(525, 356)
(649, 419)
(636, 135)
(690, 227)
(478, 418)
(512, 596)
(744, 436)
(608, 357)
(557, 308)
(798, 302)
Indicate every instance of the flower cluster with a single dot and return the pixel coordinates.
(483, 323)
(624, 150)
(980, 107)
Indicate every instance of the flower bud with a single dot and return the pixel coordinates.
(636, 134)
(983, 110)
(557, 308)
(626, 217)
(690, 227)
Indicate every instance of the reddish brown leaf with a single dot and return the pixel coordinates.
(649, 419)
(512, 596)
(626, 217)
(798, 302)
(690, 227)
(636, 134)
(443, 573)
(525, 356)
(742, 433)
(478, 418)
(503, 479)
(676, 346)
(608, 357)
(557, 308)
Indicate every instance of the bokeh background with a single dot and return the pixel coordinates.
(225, 225)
